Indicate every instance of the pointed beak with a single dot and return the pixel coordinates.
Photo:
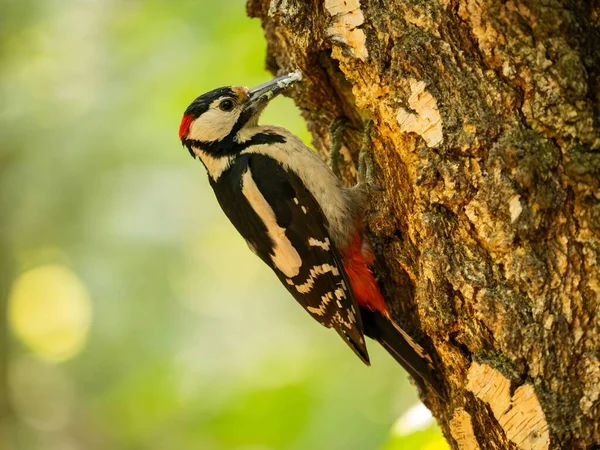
(261, 95)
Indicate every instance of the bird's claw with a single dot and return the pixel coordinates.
(336, 130)
(365, 160)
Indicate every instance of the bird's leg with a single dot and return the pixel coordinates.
(336, 130)
(365, 160)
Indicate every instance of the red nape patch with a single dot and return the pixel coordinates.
(184, 127)
(356, 261)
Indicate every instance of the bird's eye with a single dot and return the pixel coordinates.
(226, 105)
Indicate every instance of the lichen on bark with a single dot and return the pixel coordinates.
(487, 143)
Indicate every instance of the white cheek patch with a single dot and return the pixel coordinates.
(214, 124)
(284, 256)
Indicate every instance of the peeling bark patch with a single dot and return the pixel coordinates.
(461, 428)
(347, 17)
(515, 208)
(525, 423)
(490, 386)
(520, 416)
(427, 121)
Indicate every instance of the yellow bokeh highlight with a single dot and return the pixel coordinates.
(50, 311)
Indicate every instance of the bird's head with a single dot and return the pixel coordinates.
(215, 119)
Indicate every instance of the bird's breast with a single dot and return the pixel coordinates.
(335, 201)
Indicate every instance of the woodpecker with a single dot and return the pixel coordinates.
(296, 216)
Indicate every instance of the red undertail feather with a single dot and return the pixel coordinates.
(357, 259)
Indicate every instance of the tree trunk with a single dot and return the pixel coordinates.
(486, 142)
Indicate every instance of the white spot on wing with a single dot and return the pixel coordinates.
(315, 271)
(340, 295)
(297, 202)
(284, 256)
(351, 316)
(347, 323)
(320, 311)
(317, 243)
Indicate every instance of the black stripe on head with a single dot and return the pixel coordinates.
(202, 103)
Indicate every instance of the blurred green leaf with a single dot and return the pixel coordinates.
(428, 439)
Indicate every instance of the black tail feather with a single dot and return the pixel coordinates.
(410, 355)
(356, 342)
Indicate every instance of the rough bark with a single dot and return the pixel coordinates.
(486, 140)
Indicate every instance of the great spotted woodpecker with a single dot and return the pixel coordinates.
(297, 217)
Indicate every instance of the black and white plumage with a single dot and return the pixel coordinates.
(296, 216)
(269, 209)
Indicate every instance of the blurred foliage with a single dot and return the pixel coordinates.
(429, 439)
(415, 429)
(138, 318)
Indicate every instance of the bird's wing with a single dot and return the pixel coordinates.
(284, 225)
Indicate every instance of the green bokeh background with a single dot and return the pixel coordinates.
(188, 342)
